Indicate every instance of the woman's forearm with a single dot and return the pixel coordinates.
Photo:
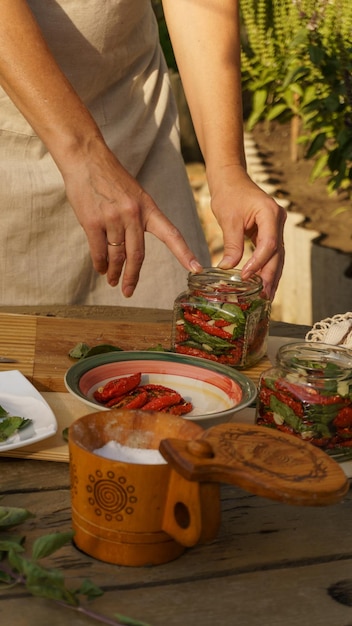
(206, 39)
(31, 77)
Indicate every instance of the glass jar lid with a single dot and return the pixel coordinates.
(216, 280)
(316, 360)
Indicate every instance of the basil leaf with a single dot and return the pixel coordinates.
(90, 590)
(200, 336)
(101, 349)
(11, 544)
(228, 311)
(46, 545)
(12, 516)
(157, 348)
(79, 351)
(10, 425)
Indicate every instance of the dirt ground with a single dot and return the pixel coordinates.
(292, 178)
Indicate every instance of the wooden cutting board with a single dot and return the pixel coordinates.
(41, 345)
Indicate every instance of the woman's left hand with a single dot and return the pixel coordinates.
(243, 210)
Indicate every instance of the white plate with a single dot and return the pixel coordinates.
(19, 397)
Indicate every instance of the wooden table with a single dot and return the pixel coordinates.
(270, 565)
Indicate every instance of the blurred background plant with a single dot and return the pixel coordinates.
(164, 35)
(297, 67)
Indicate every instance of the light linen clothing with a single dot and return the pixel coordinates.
(109, 50)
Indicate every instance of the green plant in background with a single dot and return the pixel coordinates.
(297, 64)
(164, 36)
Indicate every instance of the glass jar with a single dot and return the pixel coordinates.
(222, 318)
(309, 394)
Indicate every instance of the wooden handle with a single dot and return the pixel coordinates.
(262, 461)
(192, 510)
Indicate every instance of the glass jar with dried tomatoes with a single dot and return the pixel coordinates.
(309, 394)
(222, 318)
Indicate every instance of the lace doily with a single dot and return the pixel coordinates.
(336, 331)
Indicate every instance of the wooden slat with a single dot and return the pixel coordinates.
(17, 340)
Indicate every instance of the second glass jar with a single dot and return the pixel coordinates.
(222, 318)
(309, 394)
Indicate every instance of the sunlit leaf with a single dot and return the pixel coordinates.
(319, 167)
(11, 424)
(276, 111)
(16, 560)
(90, 590)
(102, 349)
(259, 104)
(157, 348)
(44, 589)
(295, 75)
(316, 145)
(12, 516)
(46, 545)
(10, 544)
(79, 350)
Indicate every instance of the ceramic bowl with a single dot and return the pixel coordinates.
(216, 391)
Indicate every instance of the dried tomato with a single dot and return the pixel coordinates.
(119, 387)
(344, 418)
(179, 409)
(135, 399)
(196, 352)
(208, 328)
(161, 402)
(296, 406)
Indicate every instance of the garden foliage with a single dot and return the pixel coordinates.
(297, 62)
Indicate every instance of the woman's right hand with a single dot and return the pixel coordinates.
(112, 207)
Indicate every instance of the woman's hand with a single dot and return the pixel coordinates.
(243, 209)
(114, 212)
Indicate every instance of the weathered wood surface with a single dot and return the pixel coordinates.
(271, 564)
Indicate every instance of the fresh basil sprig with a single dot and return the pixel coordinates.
(18, 569)
(10, 424)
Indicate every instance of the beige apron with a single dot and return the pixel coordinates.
(109, 50)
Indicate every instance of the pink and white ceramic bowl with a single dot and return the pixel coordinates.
(216, 391)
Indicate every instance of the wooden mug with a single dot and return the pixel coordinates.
(120, 510)
(142, 514)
